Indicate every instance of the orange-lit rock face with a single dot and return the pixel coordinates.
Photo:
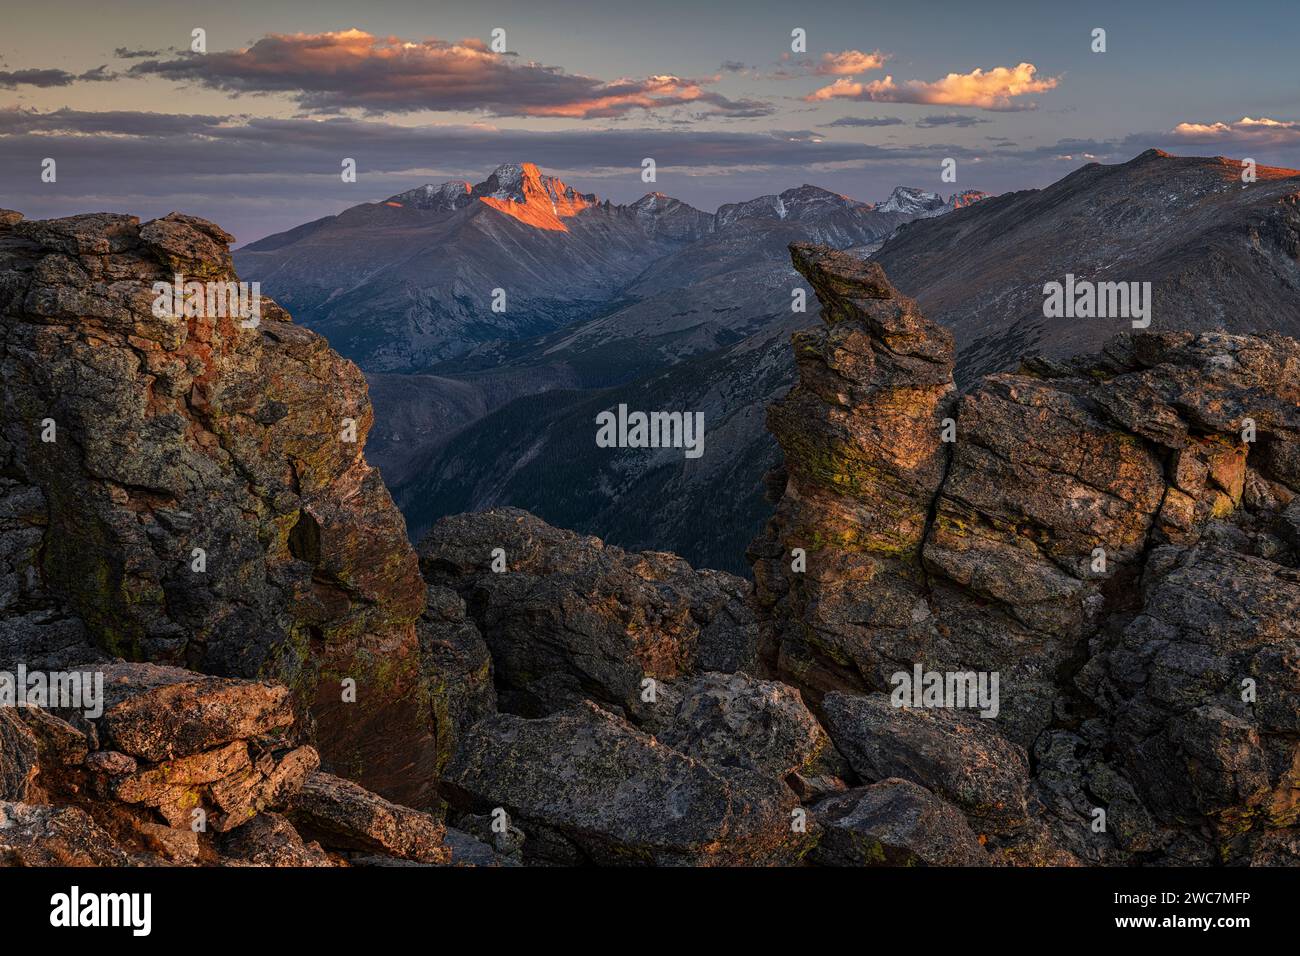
(540, 201)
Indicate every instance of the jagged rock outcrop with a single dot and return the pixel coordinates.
(191, 490)
(181, 769)
(861, 435)
(1113, 536)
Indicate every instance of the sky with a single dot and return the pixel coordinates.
(252, 130)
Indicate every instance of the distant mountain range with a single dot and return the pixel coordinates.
(662, 306)
(406, 283)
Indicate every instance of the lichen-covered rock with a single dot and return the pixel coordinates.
(18, 756)
(196, 485)
(839, 564)
(157, 712)
(230, 784)
(459, 669)
(55, 836)
(734, 720)
(894, 823)
(960, 757)
(590, 784)
(568, 617)
(342, 814)
(206, 770)
(57, 741)
(1203, 694)
(269, 839)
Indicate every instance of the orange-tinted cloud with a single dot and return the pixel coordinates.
(327, 72)
(849, 62)
(990, 89)
(1264, 131)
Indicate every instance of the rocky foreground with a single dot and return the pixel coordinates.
(1116, 538)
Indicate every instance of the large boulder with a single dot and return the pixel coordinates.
(586, 786)
(894, 823)
(960, 757)
(351, 817)
(734, 720)
(568, 617)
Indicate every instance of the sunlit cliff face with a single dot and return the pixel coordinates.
(520, 190)
(541, 201)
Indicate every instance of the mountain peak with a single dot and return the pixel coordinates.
(523, 192)
(909, 199)
(1149, 154)
(442, 197)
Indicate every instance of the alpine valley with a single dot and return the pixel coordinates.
(649, 303)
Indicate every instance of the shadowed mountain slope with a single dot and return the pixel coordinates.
(1219, 253)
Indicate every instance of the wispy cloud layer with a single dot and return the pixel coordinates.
(866, 121)
(12, 79)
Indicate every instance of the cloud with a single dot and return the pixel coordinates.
(124, 123)
(48, 78)
(122, 53)
(1245, 131)
(844, 63)
(949, 119)
(992, 89)
(849, 62)
(797, 135)
(865, 121)
(331, 72)
(244, 147)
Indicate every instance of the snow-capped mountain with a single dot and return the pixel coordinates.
(520, 190)
(912, 201)
(921, 204)
(446, 197)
